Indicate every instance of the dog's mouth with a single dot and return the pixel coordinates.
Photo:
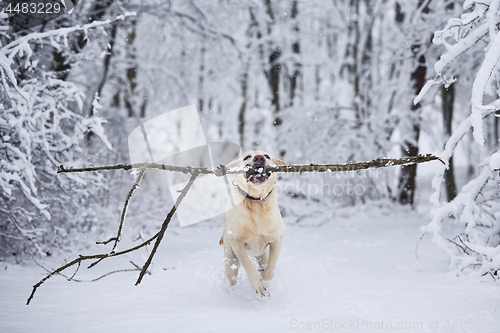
(259, 177)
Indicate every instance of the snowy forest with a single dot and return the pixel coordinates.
(310, 81)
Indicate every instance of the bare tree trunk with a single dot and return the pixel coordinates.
(106, 65)
(409, 146)
(358, 57)
(273, 78)
(497, 134)
(350, 67)
(131, 71)
(243, 107)
(252, 33)
(273, 74)
(296, 72)
(448, 95)
(201, 77)
(127, 92)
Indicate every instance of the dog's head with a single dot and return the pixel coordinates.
(260, 182)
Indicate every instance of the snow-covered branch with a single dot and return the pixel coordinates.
(22, 43)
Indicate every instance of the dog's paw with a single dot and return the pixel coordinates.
(259, 286)
(267, 275)
(221, 171)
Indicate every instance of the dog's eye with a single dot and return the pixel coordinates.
(246, 157)
(267, 156)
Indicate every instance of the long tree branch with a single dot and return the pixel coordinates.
(377, 163)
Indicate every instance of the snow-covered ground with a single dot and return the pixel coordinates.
(356, 271)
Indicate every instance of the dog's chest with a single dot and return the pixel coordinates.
(258, 226)
(256, 246)
(260, 231)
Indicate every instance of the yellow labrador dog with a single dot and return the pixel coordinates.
(253, 225)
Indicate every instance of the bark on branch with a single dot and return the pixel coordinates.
(377, 163)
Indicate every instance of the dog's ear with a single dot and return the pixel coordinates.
(277, 161)
(234, 163)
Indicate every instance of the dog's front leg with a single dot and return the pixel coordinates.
(274, 252)
(254, 277)
(231, 263)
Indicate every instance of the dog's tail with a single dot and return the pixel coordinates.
(221, 242)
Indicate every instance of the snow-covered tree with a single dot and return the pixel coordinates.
(41, 127)
(468, 227)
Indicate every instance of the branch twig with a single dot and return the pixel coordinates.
(115, 254)
(165, 225)
(116, 239)
(137, 268)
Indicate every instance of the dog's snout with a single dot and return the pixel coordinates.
(259, 159)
